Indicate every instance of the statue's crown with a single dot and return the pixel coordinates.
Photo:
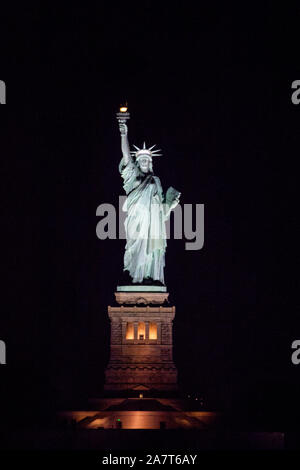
(144, 152)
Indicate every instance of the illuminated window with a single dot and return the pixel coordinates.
(129, 331)
(152, 331)
(141, 330)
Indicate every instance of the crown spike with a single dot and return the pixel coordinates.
(144, 145)
(152, 147)
(136, 147)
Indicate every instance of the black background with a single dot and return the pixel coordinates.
(212, 87)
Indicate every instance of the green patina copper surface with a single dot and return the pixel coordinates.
(148, 208)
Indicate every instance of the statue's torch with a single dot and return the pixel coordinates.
(123, 115)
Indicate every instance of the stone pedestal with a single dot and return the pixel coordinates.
(141, 342)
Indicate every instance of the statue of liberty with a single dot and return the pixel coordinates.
(148, 208)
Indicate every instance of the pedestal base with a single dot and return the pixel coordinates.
(141, 377)
(142, 296)
(141, 344)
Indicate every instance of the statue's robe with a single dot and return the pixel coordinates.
(145, 224)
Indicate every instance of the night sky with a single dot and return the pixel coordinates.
(211, 87)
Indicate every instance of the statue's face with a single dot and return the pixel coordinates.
(144, 164)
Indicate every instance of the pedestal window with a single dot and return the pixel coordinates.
(141, 331)
(152, 330)
(129, 331)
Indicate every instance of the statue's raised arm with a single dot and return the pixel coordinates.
(124, 142)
